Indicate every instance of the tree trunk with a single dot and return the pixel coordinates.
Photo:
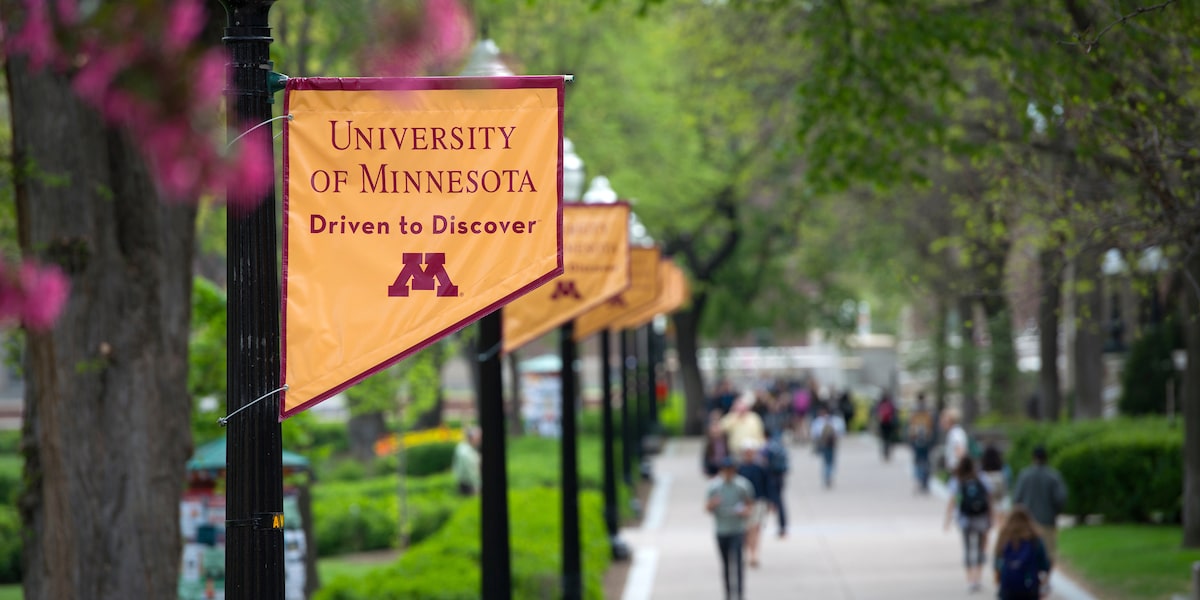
(106, 433)
(941, 352)
(1190, 401)
(968, 360)
(1089, 337)
(1049, 391)
(364, 430)
(1002, 386)
(687, 325)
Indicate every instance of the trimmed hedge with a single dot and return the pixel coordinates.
(1125, 476)
(10, 545)
(1127, 469)
(364, 515)
(446, 566)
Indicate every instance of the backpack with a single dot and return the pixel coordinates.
(887, 412)
(973, 498)
(920, 429)
(1019, 567)
(777, 458)
(828, 434)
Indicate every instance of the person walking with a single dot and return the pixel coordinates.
(920, 437)
(752, 468)
(970, 506)
(730, 498)
(1022, 565)
(957, 443)
(827, 428)
(888, 419)
(991, 463)
(1041, 490)
(777, 469)
(743, 425)
(466, 462)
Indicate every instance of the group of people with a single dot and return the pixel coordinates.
(1026, 520)
(746, 457)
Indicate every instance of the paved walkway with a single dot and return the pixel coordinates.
(868, 538)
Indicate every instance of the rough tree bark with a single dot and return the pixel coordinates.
(687, 329)
(1191, 404)
(106, 435)
(1049, 388)
(1089, 337)
(968, 360)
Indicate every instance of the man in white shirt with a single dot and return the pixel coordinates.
(827, 428)
(956, 445)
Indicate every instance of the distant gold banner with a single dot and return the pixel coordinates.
(596, 268)
(412, 207)
(643, 289)
(673, 294)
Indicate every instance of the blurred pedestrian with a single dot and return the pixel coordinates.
(845, 405)
(716, 448)
(991, 463)
(957, 443)
(466, 462)
(801, 405)
(970, 506)
(1041, 490)
(1022, 566)
(742, 424)
(730, 498)
(888, 418)
(827, 429)
(920, 438)
(752, 468)
(777, 469)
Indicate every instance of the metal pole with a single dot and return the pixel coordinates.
(254, 483)
(496, 562)
(627, 433)
(611, 516)
(572, 573)
(651, 380)
(646, 398)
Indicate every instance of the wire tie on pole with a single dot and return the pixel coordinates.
(223, 421)
(244, 133)
(483, 356)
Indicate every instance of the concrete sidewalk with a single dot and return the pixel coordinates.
(870, 537)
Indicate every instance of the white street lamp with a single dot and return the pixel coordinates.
(485, 61)
(572, 173)
(600, 192)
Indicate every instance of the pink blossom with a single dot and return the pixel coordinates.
(251, 170)
(44, 292)
(94, 79)
(184, 21)
(68, 11)
(209, 78)
(36, 36)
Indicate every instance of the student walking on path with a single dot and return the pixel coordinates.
(920, 438)
(730, 499)
(971, 507)
(1042, 491)
(827, 428)
(1022, 565)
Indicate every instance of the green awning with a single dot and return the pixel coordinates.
(212, 456)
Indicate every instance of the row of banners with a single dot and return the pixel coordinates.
(415, 206)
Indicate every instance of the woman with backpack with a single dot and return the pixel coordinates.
(971, 506)
(1022, 565)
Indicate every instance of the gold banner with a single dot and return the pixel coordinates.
(596, 268)
(412, 207)
(673, 294)
(643, 289)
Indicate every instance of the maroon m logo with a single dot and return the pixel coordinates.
(617, 301)
(422, 278)
(565, 288)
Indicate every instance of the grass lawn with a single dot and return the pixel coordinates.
(11, 592)
(1129, 561)
(339, 566)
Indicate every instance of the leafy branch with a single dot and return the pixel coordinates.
(1089, 44)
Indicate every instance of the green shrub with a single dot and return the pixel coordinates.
(10, 479)
(671, 414)
(10, 441)
(446, 566)
(364, 515)
(344, 470)
(1124, 475)
(10, 545)
(428, 459)
(1147, 371)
